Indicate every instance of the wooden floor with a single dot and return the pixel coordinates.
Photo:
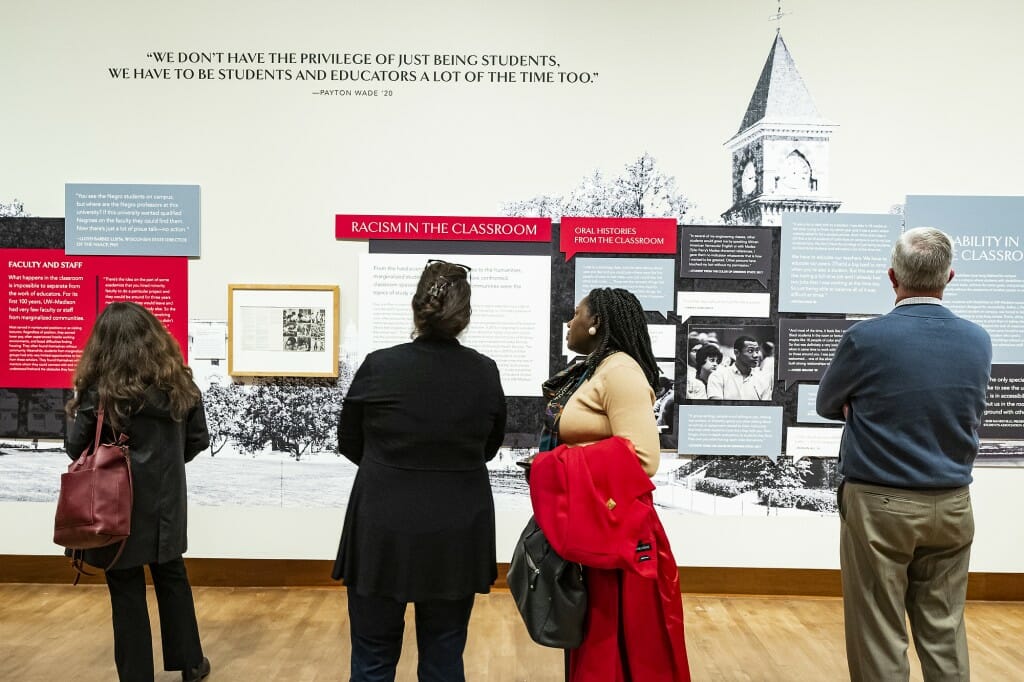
(50, 633)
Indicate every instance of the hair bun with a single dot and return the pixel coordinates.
(439, 286)
(441, 302)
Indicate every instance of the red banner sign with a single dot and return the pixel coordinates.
(53, 300)
(617, 235)
(442, 228)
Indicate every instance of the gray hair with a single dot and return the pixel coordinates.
(922, 258)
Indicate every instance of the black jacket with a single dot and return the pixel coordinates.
(158, 447)
(421, 420)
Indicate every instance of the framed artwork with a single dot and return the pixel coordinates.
(288, 330)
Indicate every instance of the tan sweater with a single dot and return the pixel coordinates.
(615, 401)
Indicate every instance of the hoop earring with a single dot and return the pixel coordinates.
(592, 331)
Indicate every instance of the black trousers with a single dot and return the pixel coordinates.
(377, 625)
(133, 639)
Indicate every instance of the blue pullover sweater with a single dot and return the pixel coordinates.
(915, 382)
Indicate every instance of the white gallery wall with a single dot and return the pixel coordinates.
(922, 93)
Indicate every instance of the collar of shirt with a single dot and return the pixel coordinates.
(914, 300)
(735, 371)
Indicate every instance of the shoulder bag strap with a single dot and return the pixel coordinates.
(99, 429)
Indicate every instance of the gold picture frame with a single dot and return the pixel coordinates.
(283, 330)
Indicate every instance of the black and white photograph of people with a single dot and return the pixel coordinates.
(731, 364)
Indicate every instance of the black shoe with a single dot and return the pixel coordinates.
(197, 673)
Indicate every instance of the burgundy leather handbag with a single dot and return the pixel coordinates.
(94, 508)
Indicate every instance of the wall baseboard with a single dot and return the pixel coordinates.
(17, 568)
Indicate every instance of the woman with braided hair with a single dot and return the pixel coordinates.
(611, 392)
(592, 496)
(421, 420)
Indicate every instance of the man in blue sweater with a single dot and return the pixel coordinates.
(910, 386)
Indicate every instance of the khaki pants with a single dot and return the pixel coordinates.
(905, 553)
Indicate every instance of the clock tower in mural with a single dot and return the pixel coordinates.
(780, 155)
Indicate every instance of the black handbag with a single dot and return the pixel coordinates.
(548, 590)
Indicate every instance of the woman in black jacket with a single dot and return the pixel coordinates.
(421, 419)
(132, 369)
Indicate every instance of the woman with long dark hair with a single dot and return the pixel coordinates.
(592, 495)
(133, 371)
(421, 420)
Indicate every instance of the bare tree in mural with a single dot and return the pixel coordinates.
(289, 414)
(644, 191)
(15, 209)
(253, 420)
(303, 416)
(640, 190)
(222, 404)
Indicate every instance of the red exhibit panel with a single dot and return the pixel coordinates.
(617, 235)
(442, 228)
(53, 300)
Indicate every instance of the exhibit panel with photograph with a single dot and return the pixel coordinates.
(273, 414)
